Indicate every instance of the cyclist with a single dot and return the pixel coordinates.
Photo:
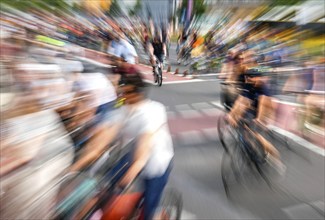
(253, 103)
(146, 121)
(158, 51)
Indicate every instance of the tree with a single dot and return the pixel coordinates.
(136, 9)
(115, 9)
(48, 5)
(198, 8)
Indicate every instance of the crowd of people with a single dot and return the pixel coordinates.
(62, 109)
(69, 90)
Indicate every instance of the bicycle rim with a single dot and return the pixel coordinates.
(236, 171)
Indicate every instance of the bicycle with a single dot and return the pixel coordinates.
(82, 194)
(158, 72)
(244, 153)
(128, 204)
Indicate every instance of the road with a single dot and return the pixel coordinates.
(193, 112)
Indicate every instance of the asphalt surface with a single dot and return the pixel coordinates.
(193, 111)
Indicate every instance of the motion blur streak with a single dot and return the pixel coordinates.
(259, 66)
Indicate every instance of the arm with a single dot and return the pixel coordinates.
(141, 157)
(150, 49)
(104, 135)
(164, 48)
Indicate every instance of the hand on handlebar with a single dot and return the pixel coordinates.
(127, 179)
(232, 121)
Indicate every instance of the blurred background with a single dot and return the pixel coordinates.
(57, 64)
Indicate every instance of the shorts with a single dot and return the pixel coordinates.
(160, 57)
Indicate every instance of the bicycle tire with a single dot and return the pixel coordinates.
(171, 203)
(155, 77)
(228, 136)
(233, 169)
(159, 77)
(226, 172)
(253, 147)
(256, 155)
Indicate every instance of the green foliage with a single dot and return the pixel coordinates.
(286, 2)
(115, 9)
(198, 8)
(136, 9)
(42, 4)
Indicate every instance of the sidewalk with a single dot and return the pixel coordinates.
(288, 119)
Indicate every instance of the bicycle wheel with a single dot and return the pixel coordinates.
(234, 168)
(228, 135)
(159, 77)
(170, 206)
(256, 154)
(254, 147)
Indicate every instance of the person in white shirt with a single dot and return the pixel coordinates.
(145, 121)
(120, 47)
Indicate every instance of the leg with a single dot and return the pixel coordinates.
(268, 147)
(153, 192)
(153, 63)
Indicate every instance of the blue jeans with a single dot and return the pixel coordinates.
(121, 167)
(103, 110)
(153, 186)
(153, 192)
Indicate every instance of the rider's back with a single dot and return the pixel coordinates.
(151, 117)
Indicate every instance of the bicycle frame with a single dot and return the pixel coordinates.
(158, 72)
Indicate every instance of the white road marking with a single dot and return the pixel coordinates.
(299, 140)
(208, 74)
(201, 105)
(183, 107)
(187, 215)
(184, 81)
(190, 114)
(217, 104)
(149, 81)
(211, 112)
